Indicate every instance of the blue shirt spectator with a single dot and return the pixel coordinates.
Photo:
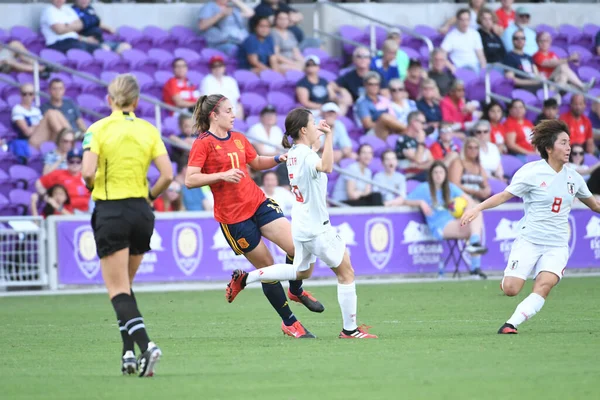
(268, 8)
(193, 199)
(264, 49)
(521, 21)
(440, 215)
(523, 62)
(224, 27)
(387, 74)
(94, 28)
(366, 107)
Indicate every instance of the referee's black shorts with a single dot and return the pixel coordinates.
(121, 224)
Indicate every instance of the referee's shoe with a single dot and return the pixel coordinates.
(148, 360)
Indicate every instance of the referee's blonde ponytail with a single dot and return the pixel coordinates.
(205, 106)
(124, 90)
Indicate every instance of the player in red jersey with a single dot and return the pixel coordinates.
(218, 158)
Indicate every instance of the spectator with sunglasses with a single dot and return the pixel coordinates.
(349, 86)
(170, 199)
(31, 126)
(71, 179)
(467, 172)
(57, 158)
(401, 104)
(517, 58)
(577, 162)
(489, 154)
(386, 64)
(579, 125)
(521, 23)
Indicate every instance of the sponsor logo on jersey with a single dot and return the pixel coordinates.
(187, 246)
(543, 184)
(218, 147)
(85, 252)
(571, 188)
(379, 241)
(239, 144)
(592, 232)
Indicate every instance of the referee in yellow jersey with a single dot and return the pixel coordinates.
(118, 151)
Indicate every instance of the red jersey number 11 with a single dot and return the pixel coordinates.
(235, 160)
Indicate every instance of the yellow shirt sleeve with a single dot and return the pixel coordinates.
(158, 147)
(90, 140)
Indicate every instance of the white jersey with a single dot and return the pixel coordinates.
(309, 213)
(548, 196)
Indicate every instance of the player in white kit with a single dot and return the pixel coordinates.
(311, 230)
(548, 188)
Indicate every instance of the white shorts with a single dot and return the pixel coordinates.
(328, 246)
(525, 256)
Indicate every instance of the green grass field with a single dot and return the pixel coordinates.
(437, 341)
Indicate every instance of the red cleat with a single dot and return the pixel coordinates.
(308, 300)
(236, 285)
(362, 332)
(507, 329)
(297, 330)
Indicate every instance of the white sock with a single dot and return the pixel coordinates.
(275, 272)
(527, 309)
(347, 299)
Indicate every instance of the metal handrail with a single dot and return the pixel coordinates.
(405, 30)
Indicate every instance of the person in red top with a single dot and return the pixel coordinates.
(178, 91)
(518, 130)
(494, 113)
(444, 148)
(550, 66)
(219, 158)
(170, 200)
(579, 125)
(71, 179)
(455, 108)
(506, 15)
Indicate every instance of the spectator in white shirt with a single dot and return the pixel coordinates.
(282, 196)
(390, 178)
(342, 145)
(266, 130)
(489, 154)
(59, 24)
(217, 82)
(31, 126)
(463, 44)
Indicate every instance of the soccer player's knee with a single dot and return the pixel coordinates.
(510, 290)
(303, 274)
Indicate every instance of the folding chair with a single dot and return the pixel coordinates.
(456, 248)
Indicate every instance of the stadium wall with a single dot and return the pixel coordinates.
(189, 247)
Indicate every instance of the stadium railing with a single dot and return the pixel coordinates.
(22, 252)
(547, 85)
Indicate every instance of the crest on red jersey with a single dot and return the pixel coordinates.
(571, 188)
(239, 144)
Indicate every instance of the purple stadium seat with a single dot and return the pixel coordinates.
(181, 33)
(7, 160)
(140, 61)
(546, 28)
(195, 77)
(540, 94)
(496, 185)
(283, 103)
(376, 165)
(411, 53)
(146, 109)
(163, 58)
(84, 61)
(587, 73)
(252, 120)
(90, 101)
(21, 199)
(208, 53)
(584, 54)
(53, 56)
(240, 126)
(108, 76)
(112, 61)
(560, 52)
(13, 100)
(190, 56)
(346, 162)
(294, 76)
(23, 177)
(376, 143)
(253, 103)
(510, 164)
(160, 37)
(352, 33)
(145, 81)
(532, 157)
(391, 141)
(466, 75)
(153, 174)
(589, 159)
(244, 77)
(327, 75)
(161, 77)
(135, 38)
(269, 76)
(475, 91)
(348, 122)
(411, 184)
(47, 147)
(527, 97)
(22, 33)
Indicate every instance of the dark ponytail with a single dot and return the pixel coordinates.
(296, 119)
(204, 107)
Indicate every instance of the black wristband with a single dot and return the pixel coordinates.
(152, 198)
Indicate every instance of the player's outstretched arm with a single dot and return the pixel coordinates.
(592, 203)
(194, 178)
(261, 163)
(326, 163)
(492, 202)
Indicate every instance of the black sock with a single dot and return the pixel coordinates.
(295, 286)
(276, 295)
(129, 315)
(128, 343)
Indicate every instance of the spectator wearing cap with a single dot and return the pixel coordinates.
(268, 8)
(429, 103)
(489, 153)
(521, 23)
(349, 86)
(549, 110)
(444, 148)
(402, 59)
(505, 14)
(518, 59)
(93, 29)
(441, 71)
(414, 77)
(312, 91)
(390, 178)
(386, 63)
(266, 130)
(257, 53)
(579, 125)
(373, 111)
(401, 104)
(66, 106)
(217, 82)
(59, 24)
(224, 26)
(286, 45)
(555, 68)
(57, 158)
(342, 145)
(493, 48)
(71, 179)
(178, 90)
(463, 44)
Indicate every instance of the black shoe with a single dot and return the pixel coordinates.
(476, 249)
(479, 273)
(507, 329)
(308, 300)
(128, 363)
(148, 360)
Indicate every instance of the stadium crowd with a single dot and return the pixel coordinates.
(393, 115)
